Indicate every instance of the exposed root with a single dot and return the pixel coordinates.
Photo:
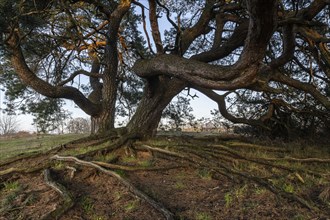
(128, 168)
(256, 160)
(155, 149)
(191, 160)
(9, 171)
(168, 215)
(299, 160)
(72, 171)
(202, 159)
(114, 145)
(68, 200)
(258, 147)
(12, 170)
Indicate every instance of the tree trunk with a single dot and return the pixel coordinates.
(158, 93)
(102, 123)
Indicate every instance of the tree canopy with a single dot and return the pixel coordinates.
(270, 58)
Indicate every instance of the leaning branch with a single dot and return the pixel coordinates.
(155, 27)
(220, 100)
(79, 72)
(31, 79)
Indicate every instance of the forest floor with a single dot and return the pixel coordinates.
(190, 176)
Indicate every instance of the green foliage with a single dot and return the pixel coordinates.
(48, 114)
(205, 174)
(131, 206)
(228, 199)
(87, 204)
(109, 157)
(11, 186)
(179, 113)
(288, 188)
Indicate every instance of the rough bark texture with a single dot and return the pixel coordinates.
(156, 97)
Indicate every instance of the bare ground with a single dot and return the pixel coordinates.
(204, 178)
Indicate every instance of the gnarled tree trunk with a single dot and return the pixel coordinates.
(157, 95)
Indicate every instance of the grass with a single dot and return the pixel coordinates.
(11, 147)
(87, 204)
(129, 159)
(228, 199)
(121, 173)
(205, 174)
(203, 216)
(288, 188)
(236, 194)
(234, 198)
(146, 163)
(11, 186)
(108, 158)
(179, 185)
(131, 206)
(96, 217)
(239, 192)
(58, 165)
(11, 190)
(84, 149)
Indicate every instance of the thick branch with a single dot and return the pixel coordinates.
(154, 26)
(308, 88)
(42, 87)
(262, 25)
(197, 73)
(190, 34)
(220, 100)
(145, 25)
(315, 7)
(79, 72)
(288, 47)
(235, 41)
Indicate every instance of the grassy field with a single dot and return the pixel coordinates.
(14, 146)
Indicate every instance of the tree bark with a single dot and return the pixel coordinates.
(105, 121)
(157, 95)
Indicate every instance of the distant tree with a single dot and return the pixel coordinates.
(48, 115)
(78, 125)
(179, 113)
(8, 124)
(217, 118)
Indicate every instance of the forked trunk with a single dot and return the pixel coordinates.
(103, 122)
(157, 95)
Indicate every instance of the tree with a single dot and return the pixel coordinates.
(78, 125)
(48, 115)
(179, 113)
(277, 50)
(8, 124)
